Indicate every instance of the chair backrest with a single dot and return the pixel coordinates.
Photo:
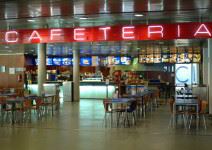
(107, 105)
(133, 106)
(38, 102)
(171, 103)
(27, 104)
(203, 106)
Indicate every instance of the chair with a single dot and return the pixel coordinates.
(203, 104)
(111, 109)
(38, 107)
(25, 110)
(131, 111)
(174, 115)
(49, 103)
(108, 110)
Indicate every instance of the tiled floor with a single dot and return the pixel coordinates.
(79, 126)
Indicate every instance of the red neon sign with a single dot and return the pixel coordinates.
(109, 33)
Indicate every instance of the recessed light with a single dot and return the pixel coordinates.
(138, 15)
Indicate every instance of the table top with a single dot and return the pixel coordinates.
(7, 94)
(186, 102)
(122, 100)
(49, 95)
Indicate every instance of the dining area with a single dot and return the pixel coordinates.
(17, 106)
(128, 110)
(188, 111)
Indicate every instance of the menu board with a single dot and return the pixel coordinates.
(85, 61)
(48, 61)
(125, 60)
(170, 54)
(95, 60)
(67, 61)
(117, 60)
(196, 58)
(188, 58)
(57, 61)
(103, 61)
(112, 60)
(142, 59)
(173, 58)
(165, 58)
(149, 58)
(157, 58)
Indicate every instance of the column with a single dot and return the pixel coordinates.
(76, 74)
(209, 73)
(41, 67)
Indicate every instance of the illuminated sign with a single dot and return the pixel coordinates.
(186, 73)
(109, 33)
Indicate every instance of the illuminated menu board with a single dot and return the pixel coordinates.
(67, 61)
(56, 61)
(125, 60)
(88, 61)
(48, 61)
(171, 55)
(85, 61)
(117, 60)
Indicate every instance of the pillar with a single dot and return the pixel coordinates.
(76, 72)
(209, 73)
(41, 67)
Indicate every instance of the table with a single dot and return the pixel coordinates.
(187, 103)
(7, 94)
(140, 97)
(186, 96)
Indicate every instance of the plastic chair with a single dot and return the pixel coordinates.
(177, 113)
(203, 104)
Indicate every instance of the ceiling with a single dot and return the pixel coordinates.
(32, 14)
(68, 13)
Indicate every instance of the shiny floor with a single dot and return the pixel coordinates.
(79, 126)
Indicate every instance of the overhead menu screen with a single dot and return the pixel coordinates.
(125, 60)
(88, 61)
(85, 61)
(119, 60)
(57, 61)
(179, 55)
(67, 61)
(48, 61)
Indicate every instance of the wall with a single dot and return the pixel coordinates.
(11, 80)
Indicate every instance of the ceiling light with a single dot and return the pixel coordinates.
(138, 15)
(30, 20)
(83, 18)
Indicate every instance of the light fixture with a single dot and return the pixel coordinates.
(30, 20)
(83, 18)
(138, 15)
